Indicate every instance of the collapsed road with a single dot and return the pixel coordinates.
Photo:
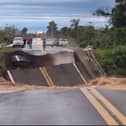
(58, 69)
(64, 105)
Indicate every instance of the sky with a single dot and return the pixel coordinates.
(35, 14)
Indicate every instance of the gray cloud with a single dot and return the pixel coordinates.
(20, 12)
(40, 1)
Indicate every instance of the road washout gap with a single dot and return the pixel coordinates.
(26, 69)
(38, 61)
(63, 68)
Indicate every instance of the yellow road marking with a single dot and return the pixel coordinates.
(112, 108)
(51, 81)
(43, 73)
(47, 77)
(100, 109)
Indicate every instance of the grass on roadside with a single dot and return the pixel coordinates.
(6, 50)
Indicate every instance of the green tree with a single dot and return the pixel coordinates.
(65, 32)
(86, 35)
(117, 14)
(24, 31)
(52, 29)
(75, 29)
(75, 23)
(102, 12)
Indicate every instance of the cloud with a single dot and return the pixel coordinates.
(44, 1)
(41, 1)
(36, 12)
(65, 19)
(40, 23)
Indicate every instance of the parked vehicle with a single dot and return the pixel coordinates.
(18, 41)
(52, 42)
(63, 42)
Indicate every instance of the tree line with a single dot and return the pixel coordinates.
(9, 32)
(109, 42)
(112, 35)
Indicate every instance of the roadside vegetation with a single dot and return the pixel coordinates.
(9, 32)
(109, 42)
(113, 60)
(6, 37)
(6, 50)
(3, 53)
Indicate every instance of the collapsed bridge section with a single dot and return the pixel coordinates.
(60, 69)
(61, 75)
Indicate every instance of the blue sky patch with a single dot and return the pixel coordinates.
(35, 14)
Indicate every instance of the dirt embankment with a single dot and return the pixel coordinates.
(4, 82)
(108, 82)
(6, 86)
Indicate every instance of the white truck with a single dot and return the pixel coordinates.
(63, 42)
(37, 43)
(18, 41)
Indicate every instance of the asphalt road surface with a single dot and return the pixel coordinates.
(65, 75)
(60, 106)
(55, 107)
(61, 75)
(64, 106)
(117, 98)
(29, 76)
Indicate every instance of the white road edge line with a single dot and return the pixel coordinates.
(82, 77)
(10, 76)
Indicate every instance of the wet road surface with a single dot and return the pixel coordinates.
(64, 106)
(117, 98)
(29, 76)
(65, 75)
(55, 107)
(87, 106)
